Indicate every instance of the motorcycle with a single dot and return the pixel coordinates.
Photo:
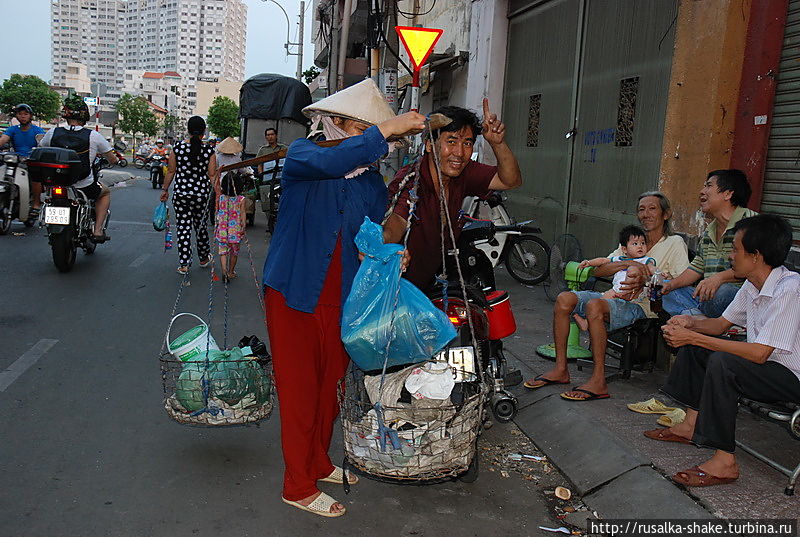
(525, 255)
(15, 195)
(158, 169)
(68, 214)
(121, 160)
(492, 321)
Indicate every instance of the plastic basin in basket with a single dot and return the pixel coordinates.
(193, 343)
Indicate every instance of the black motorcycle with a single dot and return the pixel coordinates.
(156, 166)
(68, 214)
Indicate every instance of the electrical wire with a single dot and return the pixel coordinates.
(410, 15)
(389, 47)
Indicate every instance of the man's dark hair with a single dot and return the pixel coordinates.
(629, 232)
(735, 181)
(767, 234)
(266, 131)
(461, 117)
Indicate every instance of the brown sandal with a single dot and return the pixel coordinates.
(665, 435)
(695, 477)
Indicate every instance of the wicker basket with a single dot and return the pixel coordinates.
(217, 393)
(437, 439)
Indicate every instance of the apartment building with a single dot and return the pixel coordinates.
(195, 38)
(90, 32)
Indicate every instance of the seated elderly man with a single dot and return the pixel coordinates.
(711, 373)
(670, 253)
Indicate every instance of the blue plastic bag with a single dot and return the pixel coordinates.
(160, 216)
(419, 330)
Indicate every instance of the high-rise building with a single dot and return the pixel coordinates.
(199, 39)
(90, 32)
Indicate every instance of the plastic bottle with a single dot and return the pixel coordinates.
(656, 285)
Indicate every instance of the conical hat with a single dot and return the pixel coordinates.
(362, 102)
(229, 146)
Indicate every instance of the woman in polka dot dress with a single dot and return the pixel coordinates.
(192, 164)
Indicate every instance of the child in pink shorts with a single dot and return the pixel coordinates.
(230, 223)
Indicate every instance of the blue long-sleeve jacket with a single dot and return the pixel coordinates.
(318, 204)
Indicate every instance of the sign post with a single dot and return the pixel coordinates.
(419, 43)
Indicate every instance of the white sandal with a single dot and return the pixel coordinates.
(320, 506)
(337, 476)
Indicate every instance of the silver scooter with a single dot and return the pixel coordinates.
(15, 195)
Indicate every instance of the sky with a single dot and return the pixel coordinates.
(266, 34)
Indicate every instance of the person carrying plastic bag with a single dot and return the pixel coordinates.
(386, 320)
(312, 260)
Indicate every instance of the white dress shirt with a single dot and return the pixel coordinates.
(771, 315)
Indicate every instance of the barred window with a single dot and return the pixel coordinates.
(533, 119)
(626, 111)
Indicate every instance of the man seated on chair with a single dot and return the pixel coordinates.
(724, 198)
(671, 256)
(710, 373)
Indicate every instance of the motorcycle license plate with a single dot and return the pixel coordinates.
(461, 360)
(56, 215)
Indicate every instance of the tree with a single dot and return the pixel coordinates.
(310, 74)
(171, 125)
(223, 117)
(135, 116)
(31, 90)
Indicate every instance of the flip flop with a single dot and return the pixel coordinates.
(547, 382)
(591, 396)
(651, 406)
(695, 477)
(673, 418)
(337, 476)
(320, 506)
(664, 435)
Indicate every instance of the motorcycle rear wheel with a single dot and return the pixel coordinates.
(64, 249)
(527, 259)
(5, 221)
(122, 162)
(139, 162)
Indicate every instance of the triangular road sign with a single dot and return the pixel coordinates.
(419, 42)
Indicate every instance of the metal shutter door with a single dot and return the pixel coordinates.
(782, 176)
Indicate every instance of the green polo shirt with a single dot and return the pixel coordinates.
(712, 257)
(267, 150)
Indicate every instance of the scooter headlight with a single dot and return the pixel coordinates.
(11, 158)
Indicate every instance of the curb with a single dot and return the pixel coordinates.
(614, 480)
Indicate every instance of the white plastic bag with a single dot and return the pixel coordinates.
(432, 380)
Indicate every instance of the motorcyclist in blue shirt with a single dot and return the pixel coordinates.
(24, 138)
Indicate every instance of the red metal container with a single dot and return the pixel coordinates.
(500, 316)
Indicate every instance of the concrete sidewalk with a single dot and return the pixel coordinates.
(599, 445)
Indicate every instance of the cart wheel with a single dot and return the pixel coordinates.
(472, 472)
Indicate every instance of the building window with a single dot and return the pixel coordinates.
(626, 111)
(534, 105)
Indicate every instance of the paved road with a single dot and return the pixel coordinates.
(86, 448)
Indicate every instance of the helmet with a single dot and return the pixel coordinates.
(22, 107)
(159, 141)
(75, 108)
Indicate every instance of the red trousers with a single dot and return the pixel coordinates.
(309, 360)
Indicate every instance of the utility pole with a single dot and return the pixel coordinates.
(300, 42)
(299, 45)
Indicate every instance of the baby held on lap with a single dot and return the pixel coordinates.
(634, 248)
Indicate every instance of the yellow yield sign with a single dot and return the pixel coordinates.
(419, 42)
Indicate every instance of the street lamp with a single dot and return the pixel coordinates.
(299, 44)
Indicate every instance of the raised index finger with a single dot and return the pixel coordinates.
(486, 112)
